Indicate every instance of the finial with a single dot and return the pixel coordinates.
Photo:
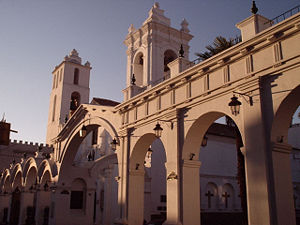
(254, 9)
(74, 52)
(133, 79)
(131, 29)
(181, 52)
(156, 5)
(184, 26)
(3, 118)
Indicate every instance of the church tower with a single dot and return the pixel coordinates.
(150, 49)
(70, 88)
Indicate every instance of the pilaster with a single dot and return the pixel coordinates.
(285, 210)
(191, 192)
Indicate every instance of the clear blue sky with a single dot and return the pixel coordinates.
(35, 35)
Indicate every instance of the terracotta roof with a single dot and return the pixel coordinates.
(104, 102)
(221, 130)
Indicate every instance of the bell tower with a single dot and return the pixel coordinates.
(151, 48)
(70, 88)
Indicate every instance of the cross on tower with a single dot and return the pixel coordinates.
(209, 196)
(226, 196)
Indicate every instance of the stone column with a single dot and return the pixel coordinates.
(136, 197)
(172, 142)
(99, 215)
(283, 184)
(123, 155)
(107, 213)
(191, 192)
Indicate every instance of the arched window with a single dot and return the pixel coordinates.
(60, 74)
(138, 69)
(57, 77)
(169, 56)
(74, 102)
(53, 110)
(78, 194)
(76, 76)
(54, 79)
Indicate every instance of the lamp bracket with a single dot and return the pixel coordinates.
(247, 95)
(168, 121)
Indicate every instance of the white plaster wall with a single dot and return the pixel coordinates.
(219, 157)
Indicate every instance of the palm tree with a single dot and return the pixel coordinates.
(220, 44)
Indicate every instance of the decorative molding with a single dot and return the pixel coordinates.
(282, 148)
(191, 163)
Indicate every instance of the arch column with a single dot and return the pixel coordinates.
(191, 192)
(123, 162)
(283, 183)
(107, 214)
(173, 139)
(136, 197)
(99, 214)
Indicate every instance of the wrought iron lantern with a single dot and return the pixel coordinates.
(204, 141)
(114, 144)
(158, 130)
(149, 152)
(234, 105)
(83, 131)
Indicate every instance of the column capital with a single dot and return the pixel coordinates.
(191, 163)
(136, 172)
(281, 147)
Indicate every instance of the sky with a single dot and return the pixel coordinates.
(35, 35)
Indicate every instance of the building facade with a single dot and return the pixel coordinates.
(110, 164)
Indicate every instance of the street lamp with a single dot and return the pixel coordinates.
(149, 152)
(114, 144)
(234, 105)
(83, 131)
(157, 130)
(204, 141)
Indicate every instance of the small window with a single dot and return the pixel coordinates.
(60, 74)
(76, 76)
(76, 201)
(163, 198)
(53, 110)
(54, 79)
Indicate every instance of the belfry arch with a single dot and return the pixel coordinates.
(169, 56)
(139, 68)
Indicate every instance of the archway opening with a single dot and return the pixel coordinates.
(83, 157)
(147, 181)
(222, 195)
(285, 135)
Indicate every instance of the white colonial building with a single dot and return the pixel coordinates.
(107, 163)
